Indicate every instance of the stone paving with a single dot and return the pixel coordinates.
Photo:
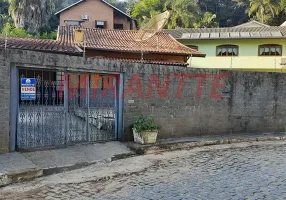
(249, 172)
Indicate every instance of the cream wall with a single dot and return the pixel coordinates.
(248, 54)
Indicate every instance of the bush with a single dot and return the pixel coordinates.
(143, 124)
(15, 32)
(52, 35)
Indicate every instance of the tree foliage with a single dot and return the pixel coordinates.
(228, 12)
(264, 10)
(184, 13)
(11, 31)
(193, 13)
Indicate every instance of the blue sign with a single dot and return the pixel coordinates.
(28, 89)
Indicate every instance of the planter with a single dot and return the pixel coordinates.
(146, 137)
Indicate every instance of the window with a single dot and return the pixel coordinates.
(100, 24)
(193, 47)
(270, 50)
(118, 26)
(73, 23)
(227, 50)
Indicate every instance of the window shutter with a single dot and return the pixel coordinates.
(105, 24)
(95, 26)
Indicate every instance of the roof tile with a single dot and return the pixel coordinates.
(159, 62)
(39, 45)
(124, 41)
(244, 32)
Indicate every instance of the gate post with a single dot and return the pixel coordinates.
(120, 131)
(66, 106)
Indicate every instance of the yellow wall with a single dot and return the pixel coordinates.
(248, 58)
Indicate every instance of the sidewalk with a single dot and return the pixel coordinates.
(17, 167)
(14, 167)
(199, 141)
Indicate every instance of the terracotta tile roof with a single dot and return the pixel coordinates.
(40, 45)
(159, 62)
(123, 41)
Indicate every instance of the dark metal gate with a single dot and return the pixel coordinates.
(69, 108)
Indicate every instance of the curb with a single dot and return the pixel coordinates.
(173, 146)
(20, 176)
(60, 169)
(33, 173)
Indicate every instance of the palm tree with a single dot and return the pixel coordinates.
(282, 6)
(262, 8)
(184, 13)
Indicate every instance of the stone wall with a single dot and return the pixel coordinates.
(4, 104)
(209, 101)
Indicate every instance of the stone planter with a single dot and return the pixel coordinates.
(146, 137)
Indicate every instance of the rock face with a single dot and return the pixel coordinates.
(33, 14)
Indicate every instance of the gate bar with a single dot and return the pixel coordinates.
(66, 106)
(88, 110)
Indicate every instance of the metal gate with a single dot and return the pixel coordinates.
(69, 108)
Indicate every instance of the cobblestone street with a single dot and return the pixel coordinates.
(238, 171)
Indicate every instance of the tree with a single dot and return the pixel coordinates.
(31, 14)
(130, 5)
(183, 13)
(228, 12)
(11, 31)
(121, 5)
(281, 16)
(208, 21)
(4, 14)
(264, 10)
(145, 9)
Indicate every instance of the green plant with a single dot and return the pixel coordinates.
(142, 124)
(11, 31)
(46, 35)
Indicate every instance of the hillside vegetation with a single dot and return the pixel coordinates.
(35, 18)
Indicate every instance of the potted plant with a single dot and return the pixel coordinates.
(145, 131)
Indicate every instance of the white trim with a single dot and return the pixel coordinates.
(116, 8)
(66, 8)
(84, 0)
(284, 24)
(253, 21)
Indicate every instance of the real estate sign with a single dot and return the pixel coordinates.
(28, 89)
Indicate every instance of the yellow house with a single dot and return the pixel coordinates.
(251, 46)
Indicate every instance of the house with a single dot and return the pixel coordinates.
(95, 14)
(250, 46)
(67, 107)
(162, 48)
